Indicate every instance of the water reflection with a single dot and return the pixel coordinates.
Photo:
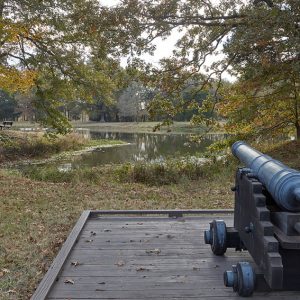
(143, 147)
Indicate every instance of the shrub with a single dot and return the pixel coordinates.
(162, 172)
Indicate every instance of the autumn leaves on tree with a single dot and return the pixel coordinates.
(66, 50)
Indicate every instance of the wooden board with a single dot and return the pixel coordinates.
(130, 256)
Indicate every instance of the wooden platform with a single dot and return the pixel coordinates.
(134, 256)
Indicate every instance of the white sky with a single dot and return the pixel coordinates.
(164, 48)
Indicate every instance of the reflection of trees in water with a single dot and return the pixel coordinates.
(145, 146)
(84, 132)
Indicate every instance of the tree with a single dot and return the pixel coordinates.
(47, 46)
(256, 41)
(132, 102)
(7, 106)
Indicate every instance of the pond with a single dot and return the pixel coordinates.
(141, 147)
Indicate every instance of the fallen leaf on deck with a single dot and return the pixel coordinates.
(69, 281)
(75, 263)
(169, 236)
(120, 263)
(153, 251)
(142, 269)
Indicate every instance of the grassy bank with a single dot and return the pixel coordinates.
(37, 213)
(17, 145)
(134, 127)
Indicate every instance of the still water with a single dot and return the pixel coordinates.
(142, 147)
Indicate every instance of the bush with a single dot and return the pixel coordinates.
(54, 174)
(160, 173)
(14, 145)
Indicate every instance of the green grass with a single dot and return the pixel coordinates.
(103, 142)
(142, 127)
(160, 173)
(177, 127)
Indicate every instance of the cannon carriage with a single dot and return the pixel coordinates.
(266, 223)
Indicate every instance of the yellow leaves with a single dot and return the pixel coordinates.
(13, 80)
(12, 30)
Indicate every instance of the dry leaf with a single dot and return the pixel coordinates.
(141, 269)
(169, 236)
(75, 263)
(69, 281)
(153, 251)
(120, 263)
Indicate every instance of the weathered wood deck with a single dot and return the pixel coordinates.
(142, 257)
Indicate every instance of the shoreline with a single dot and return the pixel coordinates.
(55, 157)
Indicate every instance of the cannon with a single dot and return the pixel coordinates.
(266, 223)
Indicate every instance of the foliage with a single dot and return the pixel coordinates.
(133, 101)
(14, 145)
(53, 174)
(61, 51)
(7, 106)
(160, 173)
(256, 41)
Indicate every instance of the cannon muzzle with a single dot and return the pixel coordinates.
(282, 182)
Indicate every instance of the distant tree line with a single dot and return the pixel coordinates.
(130, 104)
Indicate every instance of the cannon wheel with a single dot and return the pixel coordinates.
(245, 279)
(219, 237)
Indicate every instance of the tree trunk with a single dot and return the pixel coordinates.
(298, 131)
(1, 8)
(102, 120)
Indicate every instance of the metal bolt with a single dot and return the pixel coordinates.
(250, 228)
(207, 236)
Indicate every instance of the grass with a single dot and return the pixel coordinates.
(37, 213)
(134, 127)
(141, 127)
(167, 172)
(103, 142)
(16, 145)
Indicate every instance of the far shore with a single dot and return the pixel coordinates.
(129, 127)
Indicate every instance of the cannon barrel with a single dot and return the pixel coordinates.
(282, 182)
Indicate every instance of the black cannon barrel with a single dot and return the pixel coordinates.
(282, 182)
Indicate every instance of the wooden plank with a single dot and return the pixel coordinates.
(184, 269)
(199, 293)
(257, 296)
(54, 270)
(96, 213)
(95, 259)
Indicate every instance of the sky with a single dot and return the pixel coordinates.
(164, 48)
